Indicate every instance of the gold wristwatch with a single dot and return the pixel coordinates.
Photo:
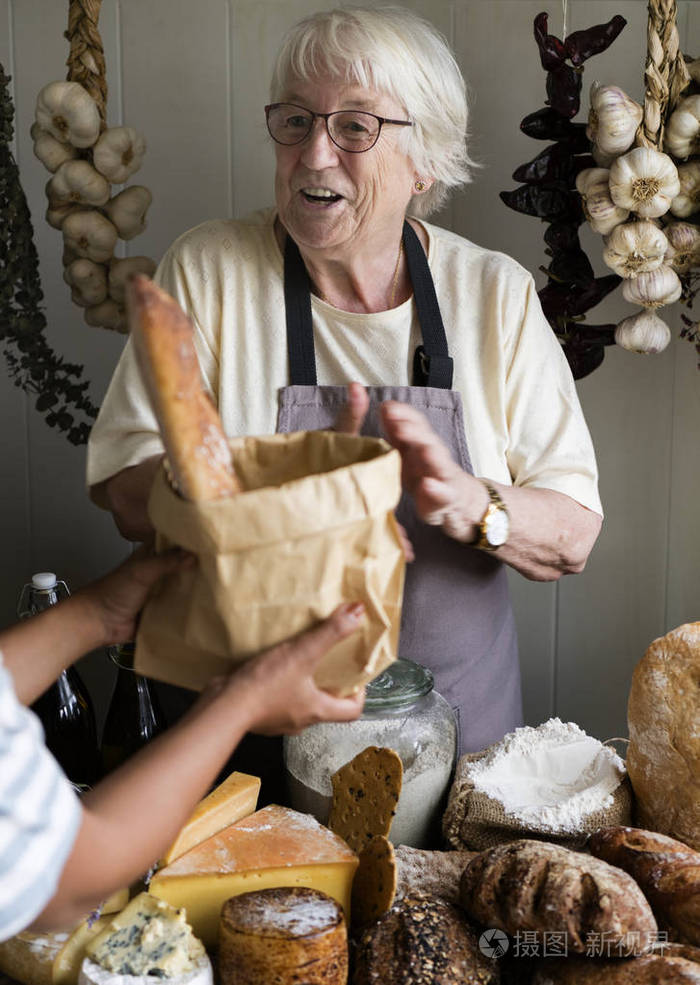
(495, 523)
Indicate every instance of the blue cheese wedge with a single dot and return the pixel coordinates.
(148, 938)
(94, 974)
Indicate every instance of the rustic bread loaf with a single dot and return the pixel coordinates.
(282, 937)
(667, 871)
(663, 716)
(664, 968)
(543, 888)
(422, 940)
(196, 448)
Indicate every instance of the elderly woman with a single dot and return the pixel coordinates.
(345, 281)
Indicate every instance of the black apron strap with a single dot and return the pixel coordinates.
(432, 364)
(297, 302)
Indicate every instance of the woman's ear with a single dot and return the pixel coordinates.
(421, 185)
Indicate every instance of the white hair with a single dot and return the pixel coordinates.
(395, 52)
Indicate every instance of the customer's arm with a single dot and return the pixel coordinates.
(132, 815)
(126, 494)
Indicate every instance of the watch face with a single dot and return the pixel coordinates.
(497, 527)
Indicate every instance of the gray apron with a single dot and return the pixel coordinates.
(457, 618)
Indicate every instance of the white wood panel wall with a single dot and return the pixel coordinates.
(193, 78)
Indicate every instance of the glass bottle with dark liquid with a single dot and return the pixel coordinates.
(65, 708)
(134, 716)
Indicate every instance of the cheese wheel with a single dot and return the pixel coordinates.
(286, 935)
(195, 444)
(94, 974)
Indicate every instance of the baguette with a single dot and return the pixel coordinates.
(667, 871)
(546, 889)
(198, 454)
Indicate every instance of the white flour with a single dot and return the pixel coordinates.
(550, 777)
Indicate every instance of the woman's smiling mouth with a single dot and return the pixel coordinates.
(323, 196)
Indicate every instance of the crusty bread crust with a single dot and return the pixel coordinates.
(667, 870)
(196, 448)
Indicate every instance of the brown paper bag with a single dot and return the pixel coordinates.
(314, 528)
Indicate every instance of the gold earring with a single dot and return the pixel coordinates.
(419, 185)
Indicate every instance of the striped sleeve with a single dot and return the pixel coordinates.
(39, 815)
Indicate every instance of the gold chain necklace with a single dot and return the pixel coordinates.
(394, 282)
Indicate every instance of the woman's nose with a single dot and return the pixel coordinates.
(318, 150)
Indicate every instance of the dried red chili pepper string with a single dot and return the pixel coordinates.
(548, 192)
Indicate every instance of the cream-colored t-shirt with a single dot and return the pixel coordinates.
(523, 420)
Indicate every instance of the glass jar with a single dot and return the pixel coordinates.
(404, 713)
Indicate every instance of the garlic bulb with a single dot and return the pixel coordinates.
(644, 332)
(56, 214)
(634, 248)
(90, 235)
(644, 181)
(108, 314)
(654, 288)
(51, 152)
(613, 119)
(118, 153)
(121, 270)
(687, 200)
(682, 134)
(599, 209)
(694, 69)
(127, 210)
(88, 281)
(602, 160)
(683, 246)
(69, 113)
(78, 182)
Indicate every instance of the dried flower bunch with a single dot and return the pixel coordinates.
(33, 365)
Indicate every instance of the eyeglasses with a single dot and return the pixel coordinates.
(349, 129)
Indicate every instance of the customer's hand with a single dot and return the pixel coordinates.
(116, 599)
(279, 692)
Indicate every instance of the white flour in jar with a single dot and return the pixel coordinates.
(550, 777)
(427, 770)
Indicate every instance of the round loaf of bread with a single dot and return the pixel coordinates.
(422, 940)
(547, 889)
(663, 717)
(286, 936)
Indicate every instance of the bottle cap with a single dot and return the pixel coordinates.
(44, 580)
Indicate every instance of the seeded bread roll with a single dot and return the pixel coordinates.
(196, 448)
(282, 937)
(543, 888)
(663, 716)
(422, 940)
(668, 967)
(667, 871)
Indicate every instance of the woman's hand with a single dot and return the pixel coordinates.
(281, 696)
(550, 533)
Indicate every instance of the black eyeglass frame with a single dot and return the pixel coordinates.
(325, 117)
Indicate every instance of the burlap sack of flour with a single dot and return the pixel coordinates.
(315, 527)
(475, 820)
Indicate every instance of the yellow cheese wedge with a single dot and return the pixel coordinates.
(55, 958)
(274, 847)
(235, 798)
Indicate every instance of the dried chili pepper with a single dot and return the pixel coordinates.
(544, 201)
(592, 334)
(571, 267)
(562, 236)
(582, 45)
(564, 90)
(552, 51)
(555, 163)
(583, 359)
(568, 300)
(547, 124)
